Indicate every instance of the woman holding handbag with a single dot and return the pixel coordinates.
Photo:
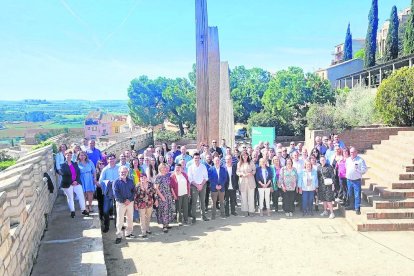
(326, 187)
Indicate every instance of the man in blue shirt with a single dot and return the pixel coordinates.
(108, 176)
(93, 153)
(124, 191)
(183, 155)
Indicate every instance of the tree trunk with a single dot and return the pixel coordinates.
(181, 127)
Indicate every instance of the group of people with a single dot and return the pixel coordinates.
(173, 183)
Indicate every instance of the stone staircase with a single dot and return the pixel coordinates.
(388, 186)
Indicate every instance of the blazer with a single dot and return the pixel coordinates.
(67, 174)
(248, 182)
(217, 179)
(234, 178)
(174, 183)
(259, 177)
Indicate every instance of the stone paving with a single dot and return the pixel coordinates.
(262, 245)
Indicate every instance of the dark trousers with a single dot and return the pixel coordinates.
(230, 198)
(107, 206)
(196, 194)
(100, 199)
(343, 189)
(275, 198)
(298, 199)
(207, 199)
(289, 201)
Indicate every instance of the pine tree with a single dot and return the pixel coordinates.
(391, 44)
(371, 39)
(409, 33)
(348, 44)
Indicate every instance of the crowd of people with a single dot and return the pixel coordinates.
(175, 185)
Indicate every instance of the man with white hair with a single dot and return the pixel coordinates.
(124, 192)
(355, 168)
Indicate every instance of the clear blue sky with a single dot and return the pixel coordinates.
(89, 49)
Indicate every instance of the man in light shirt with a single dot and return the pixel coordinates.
(355, 168)
(198, 176)
(299, 165)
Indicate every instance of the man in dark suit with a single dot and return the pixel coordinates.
(231, 186)
(215, 148)
(217, 176)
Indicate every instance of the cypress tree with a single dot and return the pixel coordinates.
(409, 33)
(391, 44)
(348, 44)
(371, 39)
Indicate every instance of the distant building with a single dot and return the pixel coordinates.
(338, 53)
(30, 135)
(383, 32)
(99, 124)
(337, 71)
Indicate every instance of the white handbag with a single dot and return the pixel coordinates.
(328, 181)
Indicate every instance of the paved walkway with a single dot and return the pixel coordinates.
(71, 246)
(262, 246)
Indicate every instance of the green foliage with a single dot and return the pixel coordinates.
(4, 156)
(391, 44)
(360, 54)
(46, 143)
(371, 38)
(44, 136)
(289, 95)
(348, 44)
(247, 88)
(353, 107)
(153, 101)
(409, 33)
(395, 98)
(190, 135)
(265, 119)
(167, 136)
(5, 164)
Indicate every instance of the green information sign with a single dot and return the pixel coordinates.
(265, 134)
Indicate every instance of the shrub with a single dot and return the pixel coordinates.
(46, 143)
(354, 107)
(5, 164)
(167, 136)
(395, 98)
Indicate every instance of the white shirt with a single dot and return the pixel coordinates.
(182, 184)
(197, 173)
(355, 168)
(218, 172)
(299, 165)
(230, 171)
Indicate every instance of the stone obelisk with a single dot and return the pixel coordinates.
(214, 84)
(202, 106)
(226, 106)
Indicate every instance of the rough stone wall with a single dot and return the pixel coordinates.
(141, 141)
(360, 138)
(24, 202)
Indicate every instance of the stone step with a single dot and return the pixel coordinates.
(390, 214)
(395, 145)
(403, 185)
(387, 193)
(406, 133)
(363, 224)
(387, 154)
(394, 165)
(380, 203)
(406, 176)
(379, 177)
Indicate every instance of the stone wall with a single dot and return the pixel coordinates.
(141, 141)
(360, 138)
(25, 202)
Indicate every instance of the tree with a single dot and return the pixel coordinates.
(409, 33)
(348, 44)
(395, 98)
(247, 88)
(371, 38)
(153, 101)
(391, 43)
(360, 54)
(289, 95)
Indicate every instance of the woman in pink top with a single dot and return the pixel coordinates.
(341, 169)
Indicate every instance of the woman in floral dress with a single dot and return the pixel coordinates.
(145, 198)
(165, 212)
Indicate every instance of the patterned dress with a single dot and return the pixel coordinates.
(145, 198)
(325, 192)
(165, 211)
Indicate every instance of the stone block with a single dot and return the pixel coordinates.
(4, 249)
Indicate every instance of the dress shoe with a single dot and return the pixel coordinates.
(72, 214)
(118, 240)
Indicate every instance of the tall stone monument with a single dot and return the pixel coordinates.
(213, 83)
(202, 106)
(214, 112)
